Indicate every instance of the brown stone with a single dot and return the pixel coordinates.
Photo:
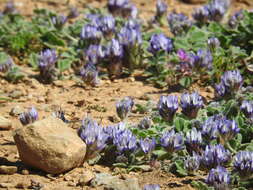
(50, 145)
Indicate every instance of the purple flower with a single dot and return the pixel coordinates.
(220, 90)
(73, 13)
(232, 80)
(215, 155)
(201, 14)
(167, 107)
(122, 8)
(6, 65)
(94, 137)
(235, 19)
(10, 8)
(89, 75)
(219, 178)
(125, 142)
(191, 103)
(93, 18)
(160, 42)
(94, 54)
(28, 117)
(145, 123)
(193, 141)
(59, 21)
(203, 59)
(192, 163)
(114, 50)
(114, 130)
(178, 23)
(91, 33)
(210, 127)
(243, 164)
(107, 24)
(183, 56)
(114, 55)
(213, 43)
(124, 107)
(247, 108)
(130, 36)
(172, 141)
(227, 129)
(151, 187)
(47, 61)
(161, 8)
(147, 145)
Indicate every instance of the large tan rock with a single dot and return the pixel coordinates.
(50, 145)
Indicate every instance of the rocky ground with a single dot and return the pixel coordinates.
(78, 102)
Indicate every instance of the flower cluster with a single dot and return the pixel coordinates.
(46, 64)
(218, 126)
(172, 141)
(122, 8)
(94, 137)
(219, 178)
(178, 23)
(91, 33)
(28, 117)
(124, 107)
(159, 42)
(231, 82)
(193, 141)
(213, 11)
(147, 145)
(113, 57)
(243, 164)
(235, 19)
(191, 103)
(89, 75)
(213, 43)
(59, 21)
(94, 54)
(247, 109)
(215, 155)
(6, 65)
(192, 163)
(126, 142)
(167, 107)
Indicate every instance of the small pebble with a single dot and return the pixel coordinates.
(25, 172)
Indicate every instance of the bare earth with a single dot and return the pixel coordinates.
(77, 102)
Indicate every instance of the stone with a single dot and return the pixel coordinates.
(50, 145)
(25, 172)
(5, 124)
(8, 170)
(114, 183)
(86, 178)
(16, 110)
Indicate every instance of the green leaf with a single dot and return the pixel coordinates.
(179, 124)
(179, 164)
(64, 64)
(52, 39)
(185, 82)
(33, 60)
(14, 75)
(200, 185)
